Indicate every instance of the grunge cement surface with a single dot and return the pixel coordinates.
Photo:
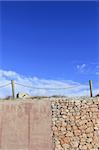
(25, 125)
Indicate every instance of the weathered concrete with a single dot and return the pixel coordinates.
(25, 125)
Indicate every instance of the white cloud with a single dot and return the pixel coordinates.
(97, 66)
(7, 76)
(91, 68)
(81, 68)
(78, 66)
(97, 73)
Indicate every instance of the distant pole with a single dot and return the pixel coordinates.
(90, 84)
(13, 89)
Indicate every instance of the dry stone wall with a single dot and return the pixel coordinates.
(75, 123)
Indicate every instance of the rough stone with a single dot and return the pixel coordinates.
(78, 123)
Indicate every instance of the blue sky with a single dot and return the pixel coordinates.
(51, 40)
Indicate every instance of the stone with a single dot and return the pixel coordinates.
(77, 132)
(69, 134)
(89, 130)
(77, 123)
(75, 144)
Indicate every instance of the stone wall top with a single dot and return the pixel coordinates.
(78, 99)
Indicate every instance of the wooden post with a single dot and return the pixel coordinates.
(90, 84)
(13, 89)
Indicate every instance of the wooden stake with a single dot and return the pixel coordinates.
(90, 84)
(13, 89)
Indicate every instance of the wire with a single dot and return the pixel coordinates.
(2, 86)
(47, 88)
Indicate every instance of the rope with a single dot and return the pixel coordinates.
(2, 86)
(48, 88)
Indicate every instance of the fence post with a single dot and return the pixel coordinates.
(13, 89)
(90, 84)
